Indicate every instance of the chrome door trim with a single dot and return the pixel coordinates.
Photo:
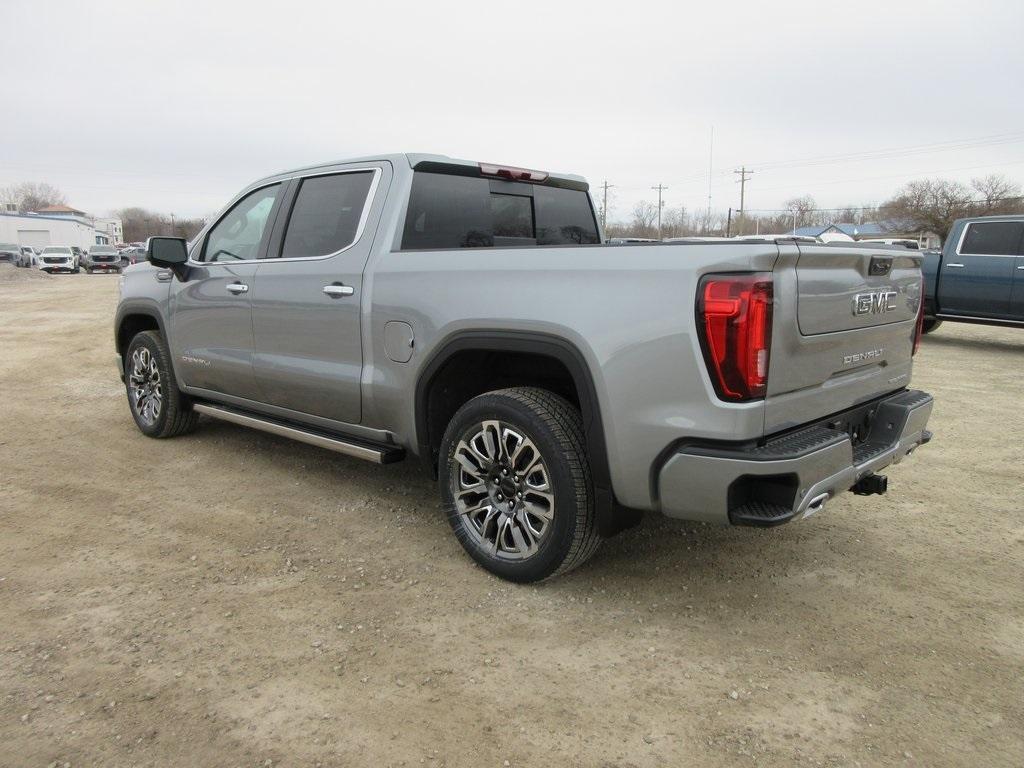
(370, 197)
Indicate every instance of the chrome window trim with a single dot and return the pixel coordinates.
(371, 195)
(963, 236)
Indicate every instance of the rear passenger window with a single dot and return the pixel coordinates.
(326, 214)
(449, 211)
(995, 238)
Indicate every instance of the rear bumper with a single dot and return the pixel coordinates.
(793, 475)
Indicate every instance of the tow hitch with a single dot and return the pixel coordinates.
(871, 484)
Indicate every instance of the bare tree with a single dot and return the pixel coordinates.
(644, 216)
(996, 194)
(31, 196)
(927, 205)
(137, 224)
(802, 207)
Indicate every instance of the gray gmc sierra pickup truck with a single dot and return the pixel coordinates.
(557, 386)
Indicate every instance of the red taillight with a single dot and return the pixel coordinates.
(513, 174)
(735, 319)
(919, 331)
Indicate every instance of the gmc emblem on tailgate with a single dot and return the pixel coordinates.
(874, 302)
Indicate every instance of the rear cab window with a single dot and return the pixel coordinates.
(449, 211)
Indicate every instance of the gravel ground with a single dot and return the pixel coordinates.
(231, 598)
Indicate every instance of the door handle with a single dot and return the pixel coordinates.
(955, 266)
(237, 288)
(337, 291)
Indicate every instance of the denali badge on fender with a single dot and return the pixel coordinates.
(874, 302)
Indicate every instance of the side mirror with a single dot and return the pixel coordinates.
(169, 253)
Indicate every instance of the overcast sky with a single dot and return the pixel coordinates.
(176, 106)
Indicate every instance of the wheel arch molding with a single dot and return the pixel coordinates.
(137, 316)
(611, 517)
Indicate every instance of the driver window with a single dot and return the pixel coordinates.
(237, 236)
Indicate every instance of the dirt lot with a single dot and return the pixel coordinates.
(231, 598)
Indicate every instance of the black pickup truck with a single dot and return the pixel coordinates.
(978, 277)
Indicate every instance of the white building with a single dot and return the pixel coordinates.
(111, 228)
(58, 225)
(40, 231)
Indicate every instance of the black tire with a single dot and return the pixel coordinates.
(76, 270)
(175, 415)
(930, 324)
(555, 428)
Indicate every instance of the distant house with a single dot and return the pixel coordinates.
(872, 230)
(60, 210)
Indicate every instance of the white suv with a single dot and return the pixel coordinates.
(57, 258)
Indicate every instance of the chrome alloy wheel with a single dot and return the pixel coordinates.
(144, 387)
(502, 490)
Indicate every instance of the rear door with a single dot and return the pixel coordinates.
(977, 278)
(1017, 292)
(211, 312)
(843, 329)
(306, 309)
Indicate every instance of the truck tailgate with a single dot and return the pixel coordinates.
(843, 332)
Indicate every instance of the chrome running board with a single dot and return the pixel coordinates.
(378, 454)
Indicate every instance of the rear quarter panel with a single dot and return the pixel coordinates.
(629, 311)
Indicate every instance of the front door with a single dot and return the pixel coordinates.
(211, 311)
(306, 309)
(976, 280)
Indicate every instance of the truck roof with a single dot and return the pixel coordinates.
(413, 159)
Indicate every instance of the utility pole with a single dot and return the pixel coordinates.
(711, 160)
(661, 188)
(728, 224)
(744, 175)
(172, 225)
(604, 206)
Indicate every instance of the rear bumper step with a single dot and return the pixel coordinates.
(794, 475)
(360, 449)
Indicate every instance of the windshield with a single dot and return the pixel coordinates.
(102, 249)
(9, 247)
(57, 249)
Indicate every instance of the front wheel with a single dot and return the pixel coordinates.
(515, 481)
(159, 408)
(929, 324)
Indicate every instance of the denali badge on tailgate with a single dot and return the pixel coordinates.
(874, 302)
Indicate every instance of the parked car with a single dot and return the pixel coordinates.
(79, 255)
(469, 314)
(28, 254)
(978, 276)
(10, 253)
(102, 258)
(132, 255)
(57, 258)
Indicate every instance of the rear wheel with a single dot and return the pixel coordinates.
(930, 324)
(157, 405)
(516, 484)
